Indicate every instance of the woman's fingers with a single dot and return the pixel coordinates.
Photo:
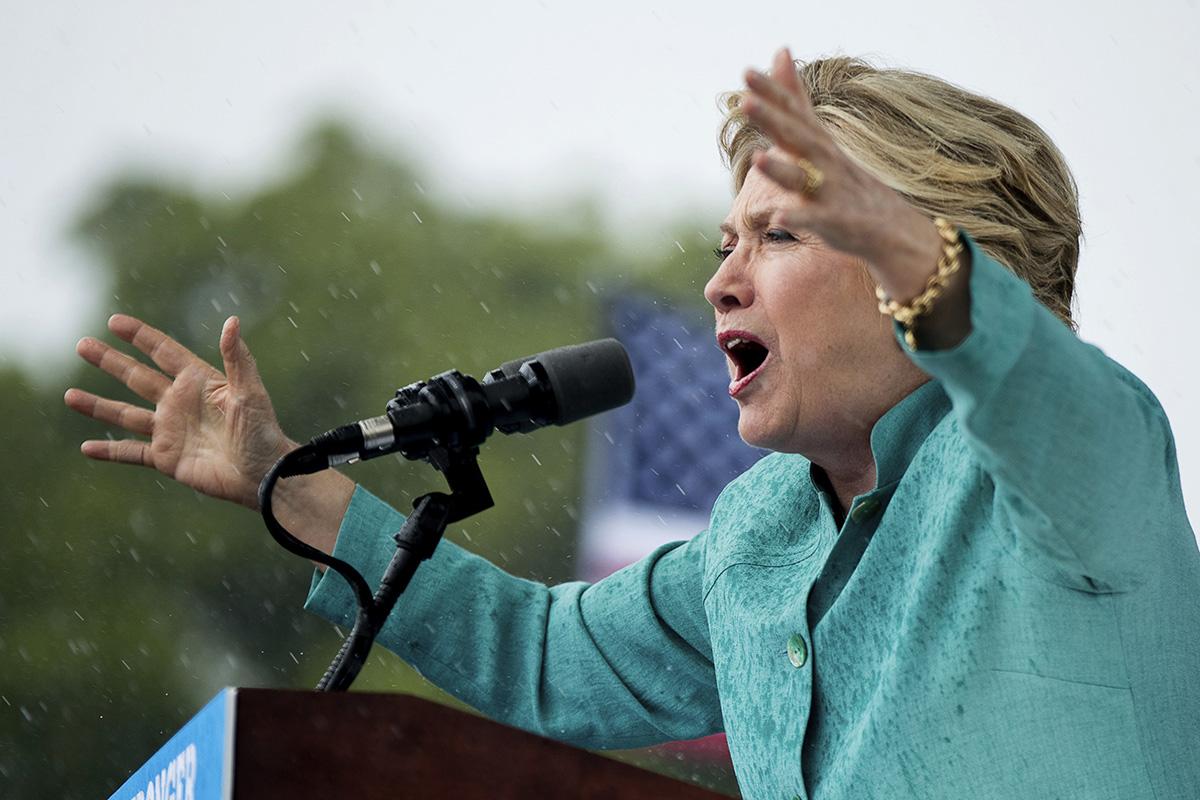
(781, 126)
(170, 356)
(767, 90)
(780, 104)
(136, 420)
(123, 451)
(240, 368)
(147, 383)
(784, 73)
(782, 88)
(788, 174)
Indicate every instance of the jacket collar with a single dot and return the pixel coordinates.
(899, 433)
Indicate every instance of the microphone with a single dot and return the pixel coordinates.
(452, 410)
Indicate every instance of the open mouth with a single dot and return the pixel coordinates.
(747, 353)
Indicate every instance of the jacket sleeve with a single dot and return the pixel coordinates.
(624, 662)
(1080, 450)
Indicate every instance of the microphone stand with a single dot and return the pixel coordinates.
(415, 542)
(443, 421)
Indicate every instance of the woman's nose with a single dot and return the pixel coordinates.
(728, 288)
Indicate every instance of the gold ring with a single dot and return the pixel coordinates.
(813, 177)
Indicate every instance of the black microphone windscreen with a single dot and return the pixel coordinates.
(586, 379)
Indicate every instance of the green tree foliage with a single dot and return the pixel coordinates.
(126, 601)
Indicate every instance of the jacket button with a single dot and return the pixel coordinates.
(797, 650)
(864, 509)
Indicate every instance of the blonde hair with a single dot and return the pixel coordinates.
(948, 152)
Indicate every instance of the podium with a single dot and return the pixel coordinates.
(267, 743)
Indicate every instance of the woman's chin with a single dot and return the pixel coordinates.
(757, 431)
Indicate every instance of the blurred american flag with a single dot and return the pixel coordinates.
(657, 464)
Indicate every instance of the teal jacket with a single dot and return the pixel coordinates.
(1012, 612)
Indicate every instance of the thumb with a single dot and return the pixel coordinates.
(240, 368)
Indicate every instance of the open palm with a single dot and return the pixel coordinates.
(215, 432)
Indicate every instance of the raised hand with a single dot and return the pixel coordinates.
(850, 209)
(214, 432)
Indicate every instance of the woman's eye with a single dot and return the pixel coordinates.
(722, 253)
(778, 235)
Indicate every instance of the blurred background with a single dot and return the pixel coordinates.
(384, 190)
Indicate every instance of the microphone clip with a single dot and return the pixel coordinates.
(469, 493)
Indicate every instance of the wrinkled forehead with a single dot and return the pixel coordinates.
(757, 202)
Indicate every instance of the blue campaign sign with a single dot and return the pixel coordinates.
(195, 764)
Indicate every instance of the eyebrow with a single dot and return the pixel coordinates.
(755, 220)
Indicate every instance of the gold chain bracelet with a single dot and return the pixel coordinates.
(947, 265)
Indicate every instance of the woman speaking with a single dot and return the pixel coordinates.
(964, 571)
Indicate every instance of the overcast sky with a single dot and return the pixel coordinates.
(526, 101)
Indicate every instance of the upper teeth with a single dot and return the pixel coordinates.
(734, 342)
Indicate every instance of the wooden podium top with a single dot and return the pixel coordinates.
(302, 745)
